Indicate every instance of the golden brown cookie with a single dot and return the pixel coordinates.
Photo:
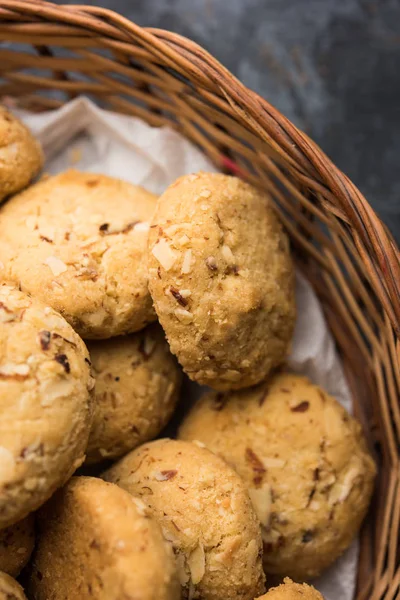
(97, 541)
(204, 511)
(21, 156)
(45, 403)
(304, 460)
(136, 391)
(222, 280)
(78, 241)
(292, 591)
(10, 589)
(16, 545)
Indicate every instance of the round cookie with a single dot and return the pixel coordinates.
(222, 280)
(96, 541)
(21, 156)
(45, 403)
(304, 460)
(136, 391)
(10, 589)
(16, 545)
(78, 241)
(292, 591)
(204, 511)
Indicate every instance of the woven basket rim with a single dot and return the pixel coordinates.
(377, 247)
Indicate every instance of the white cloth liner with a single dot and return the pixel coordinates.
(83, 136)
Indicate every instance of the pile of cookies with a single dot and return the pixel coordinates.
(268, 474)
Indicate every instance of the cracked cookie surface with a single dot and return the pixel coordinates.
(16, 545)
(292, 591)
(97, 541)
(45, 403)
(136, 391)
(78, 241)
(204, 511)
(304, 460)
(21, 156)
(222, 280)
(10, 589)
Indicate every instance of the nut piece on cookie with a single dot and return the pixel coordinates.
(97, 541)
(78, 241)
(204, 511)
(136, 391)
(304, 461)
(222, 280)
(292, 591)
(10, 589)
(21, 156)
(16, 545)
(45, 403)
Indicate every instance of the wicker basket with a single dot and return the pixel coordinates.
(338, 241)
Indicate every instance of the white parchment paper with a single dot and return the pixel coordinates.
(85, 137)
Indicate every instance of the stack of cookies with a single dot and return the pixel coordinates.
(108, 294)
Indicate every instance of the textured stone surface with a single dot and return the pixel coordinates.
(330, 66)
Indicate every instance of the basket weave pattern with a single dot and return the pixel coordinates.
(50, 54)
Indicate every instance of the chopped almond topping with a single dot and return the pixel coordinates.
(227, 254)
(187, 260)
(197, 564)
(163, 252)
(56, 265)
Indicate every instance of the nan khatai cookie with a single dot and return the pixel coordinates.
(21, 156)
(304, 461)
(137, 388)
(78, 241)
(221, 278)
(292, 591)
(204, 511)
(10, 589)
(97, 541)
(45, 404)
(16, 545)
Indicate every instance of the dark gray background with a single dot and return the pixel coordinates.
(331, 66)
